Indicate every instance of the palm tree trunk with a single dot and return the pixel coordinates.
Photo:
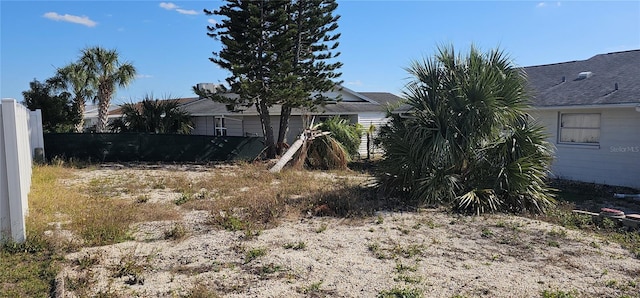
(80, 108)
(104, 99)
(289, 154)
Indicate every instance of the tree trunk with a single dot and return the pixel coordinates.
(104, 99)
(289, 154)
(80, 108)
(267, 129)
(285, 115)
(368, 146)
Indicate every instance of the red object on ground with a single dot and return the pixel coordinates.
(611, 211)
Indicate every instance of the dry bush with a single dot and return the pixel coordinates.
(255, 199)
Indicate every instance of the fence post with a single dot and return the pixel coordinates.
(5, 222)
(15, 169)
(36, 136)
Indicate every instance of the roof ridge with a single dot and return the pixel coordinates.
(574, 61)
(557, 63)
(618, 52)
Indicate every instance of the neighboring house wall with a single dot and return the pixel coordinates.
(234, 126)
(614, 161)
(295, 128)
(206, 125)
(203, 126)
(377, 119)
(250, 126)
(600, 99)
(253, 127)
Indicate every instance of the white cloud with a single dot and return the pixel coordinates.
(143, 76)
(82, 20)
(212, 21)
(355, 83)
(185, 11)
(559, 4)
(168, 5)
(541, 4)
(172, 6)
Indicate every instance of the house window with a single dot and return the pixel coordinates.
(578, 128)
(219, 126)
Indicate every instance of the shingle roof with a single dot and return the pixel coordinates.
(599, 88)
(181, 101)
(380, 100)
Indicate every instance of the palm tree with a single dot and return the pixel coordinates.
(106, 72)
(467, 139)
(153, 116)
(76, 78)
(347, 134)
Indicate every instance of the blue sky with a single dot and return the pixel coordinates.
(167, 41)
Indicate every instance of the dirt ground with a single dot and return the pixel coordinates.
(429, 251)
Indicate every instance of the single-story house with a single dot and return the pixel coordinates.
(591, 109)
(91, 116)
(366, 108)
(214, 118)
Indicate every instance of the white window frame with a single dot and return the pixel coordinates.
(562, 127)
(219, 126)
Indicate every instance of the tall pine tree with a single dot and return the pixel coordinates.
(310, 27)
(276, 52)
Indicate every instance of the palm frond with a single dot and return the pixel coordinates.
(326, 153)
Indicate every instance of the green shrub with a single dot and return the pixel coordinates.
(466, 139)
(400, 293)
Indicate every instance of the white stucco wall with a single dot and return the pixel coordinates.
(376, 119)
(615, 161)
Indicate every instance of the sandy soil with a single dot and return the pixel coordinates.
(439, 254)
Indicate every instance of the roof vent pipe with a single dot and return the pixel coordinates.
(616, 86)
(585, 74)
(564, 79)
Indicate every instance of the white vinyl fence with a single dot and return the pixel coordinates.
(20, 130)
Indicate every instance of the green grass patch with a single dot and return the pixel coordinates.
(27, 272)
(400, 293)
(253, 254)
(295, 246)
(559, 294)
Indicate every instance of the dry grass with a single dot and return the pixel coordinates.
(67, 215)
(253, 198)
(95, 216)
(63, 218)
